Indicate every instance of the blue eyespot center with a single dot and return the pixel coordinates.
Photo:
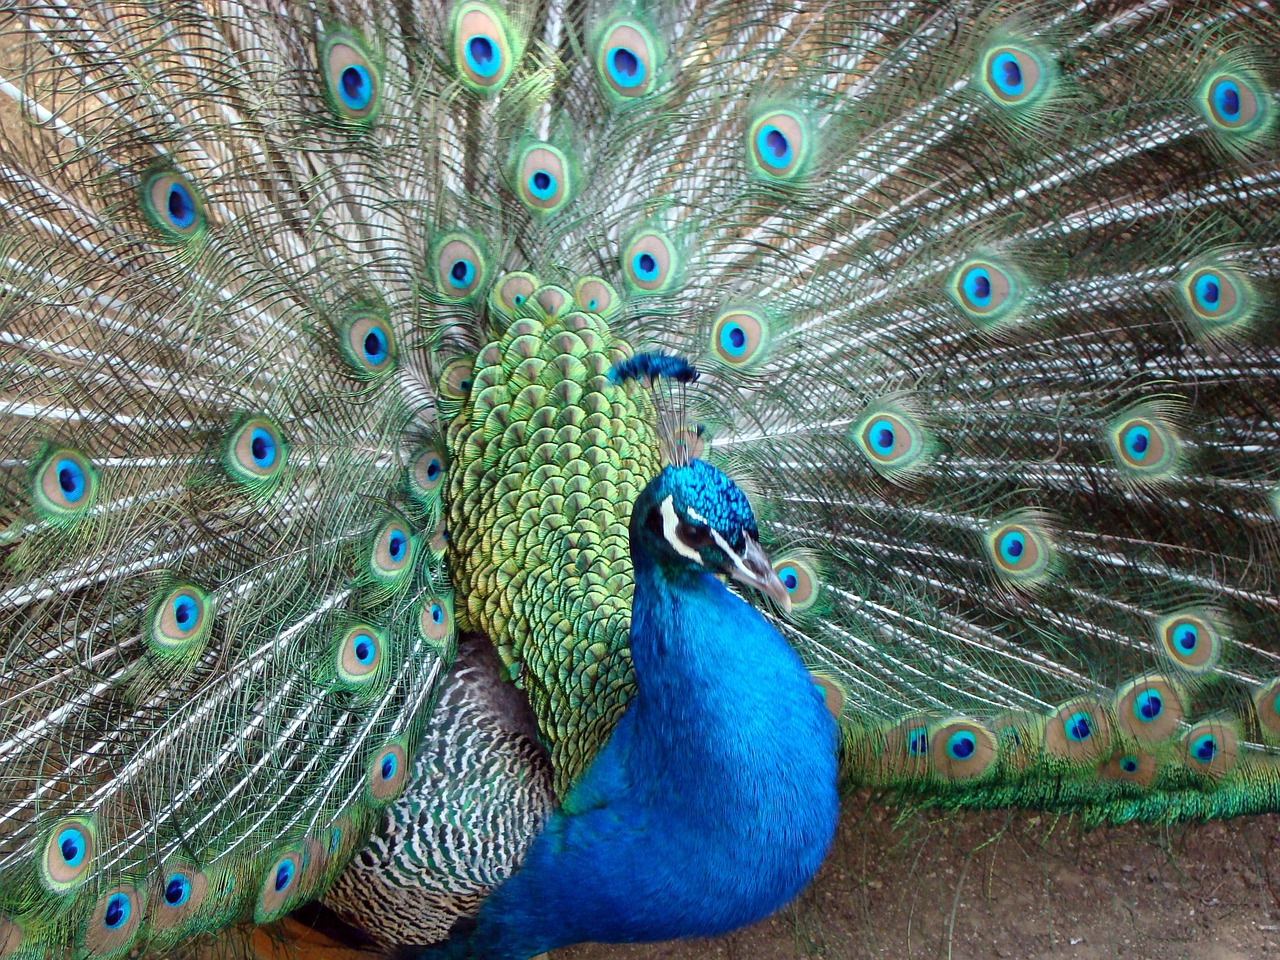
(1208, 291)
(977, 286)
(646, 266)
(375, 346)
(117, 912)
(1079, 728)
(262, 447)
(1186, 637)
(1012, 546)
(542, 185)
(364, 649)
(482, 56)
(284, 875)
(177, 890)
(461, 273)
(733, 339)
(774, 147)
(790, 578)
(1205, 748)
(182, 208)
(185, 612)
(71, 845)
(1137, 440)
(388, 768)
(355, 87)
(71, 480)
(1128, 764)
(918, 742)
(437, 613)
(1148, 705)
(433, 469)
(593, 304)
(1226, 97)
(882, 437)
(961, 745)
(625, 67)
(397, 545)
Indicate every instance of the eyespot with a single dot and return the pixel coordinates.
(427, 473)
(172, 205)
(391, 559)
(778, 145)
(113, 924)
(181, 620)
(1192, 639)
(1266, 703)
(552, 300)
(543, 178)
(1233, 102)
(280, 886)
(368, 344)
(986, 292)
(68, 854)
(1149, 709)
(182, 890)
(1216, 299)
(1210, 749)
(460, 267)
(360, 656)
(1135, 767)
(648, 262)
(353, 85)
(482, 49)
(1078, 730)
(66, 486)
(801, 581)
(1021, 548)
(626, 60)
(893, 440)
(387, 774)
(513, 291)
(833, 695)
(596, 296)
(739, 337)
(455, 382)
(1145, 445)
(254, 453)
(962, 750)
(435, 620)
(1013, 76)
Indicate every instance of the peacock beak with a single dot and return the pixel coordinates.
(753, 568)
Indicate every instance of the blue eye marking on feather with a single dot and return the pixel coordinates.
(1208, 291)
(117, 912)
(773, 147)
(437, 613)
(355, 87)
(186, 612)
(177, 890)
(882, 437)
(462, 273)
(961, 745)
(1226, 98)
(625, 68)
(1079, 727)
(1128, 764)
(284, 874)
(645, 266)
(918, 742)
(262, 447)
(1148, 705)
(977, 286)
(181, 206)
(1011, 546)
(1204, 748)
(542, 185)
(388, 767)
(1186, 636)
(72, 845)
(1137, 441)
(1006, 74)
(483, 57)
(790, 578)
(365, 649)
(733, 339)
(397, 544)
(375, 346)
(71, 480)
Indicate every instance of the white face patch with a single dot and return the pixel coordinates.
(669, 524)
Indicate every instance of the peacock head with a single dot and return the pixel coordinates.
(692, 518)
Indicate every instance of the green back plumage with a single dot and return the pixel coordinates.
(305, 317)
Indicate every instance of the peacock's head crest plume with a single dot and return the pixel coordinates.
(667, 379)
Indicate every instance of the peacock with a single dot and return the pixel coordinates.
(481, 466)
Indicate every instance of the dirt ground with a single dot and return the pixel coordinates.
(970, 886)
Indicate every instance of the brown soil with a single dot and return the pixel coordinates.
(969, 886)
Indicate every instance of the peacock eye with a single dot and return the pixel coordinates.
(695, 535)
